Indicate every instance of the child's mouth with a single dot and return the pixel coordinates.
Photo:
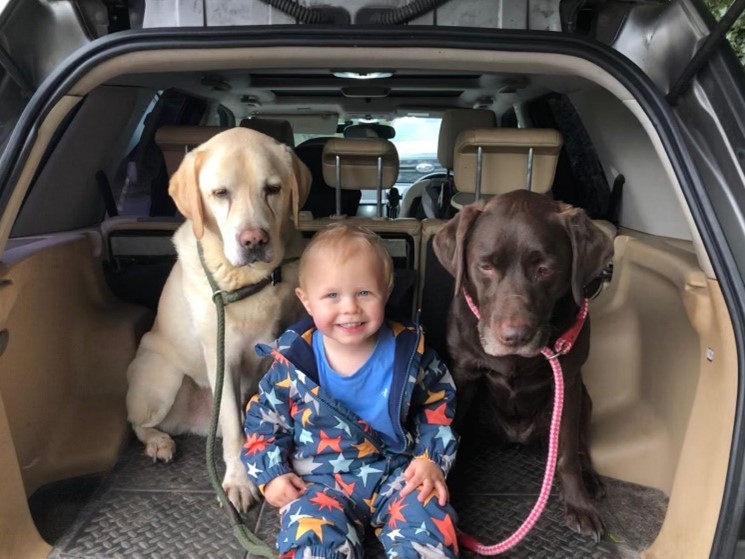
(350, 325)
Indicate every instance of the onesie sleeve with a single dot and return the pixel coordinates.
(432, 411)
(269, 428)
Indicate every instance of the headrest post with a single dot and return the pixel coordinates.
(479, 161)
(380, 186)
(338, 185)
(529, 171)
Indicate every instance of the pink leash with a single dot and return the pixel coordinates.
(562, 346)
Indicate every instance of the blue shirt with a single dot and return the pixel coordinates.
(366, 391)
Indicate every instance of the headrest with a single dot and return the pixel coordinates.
(280, 130)
(455, 121)
(174, 141)
(504, 161)
(358, 162)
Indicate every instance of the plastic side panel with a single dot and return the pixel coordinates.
(662, 375)
(62, 375)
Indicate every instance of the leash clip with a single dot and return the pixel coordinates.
(554, 355)
(558, 351)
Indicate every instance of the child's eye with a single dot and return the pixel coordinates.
(332, 295)
(364, 293)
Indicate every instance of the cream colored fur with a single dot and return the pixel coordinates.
(239, 188)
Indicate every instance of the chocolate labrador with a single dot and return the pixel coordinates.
(524, 261)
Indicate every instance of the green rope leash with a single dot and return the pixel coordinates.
(250, 541)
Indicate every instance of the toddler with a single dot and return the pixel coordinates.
(351, 424)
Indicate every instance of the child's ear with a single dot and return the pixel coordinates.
(303, 299)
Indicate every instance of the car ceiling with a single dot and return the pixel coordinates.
(248, 93)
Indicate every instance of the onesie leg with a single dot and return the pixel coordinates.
(320, 524)
(410, 529)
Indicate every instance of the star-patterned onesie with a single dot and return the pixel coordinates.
(353, 476)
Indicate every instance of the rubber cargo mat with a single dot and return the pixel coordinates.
(147, 509)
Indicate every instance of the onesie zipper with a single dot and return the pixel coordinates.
(403, 392)
(374, 439)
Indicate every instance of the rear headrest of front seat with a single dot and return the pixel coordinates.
(505, 161)
(358, 163)
(455, 121)
(174, 141)
(280, 130)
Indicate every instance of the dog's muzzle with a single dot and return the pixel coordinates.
(500, 338)
(263, 253)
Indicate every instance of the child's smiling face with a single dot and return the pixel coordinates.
(346, 297)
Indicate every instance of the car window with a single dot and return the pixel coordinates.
(416, 141)
(736, 34)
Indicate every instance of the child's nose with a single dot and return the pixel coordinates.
(350, 304)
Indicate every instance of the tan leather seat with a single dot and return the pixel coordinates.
(175, 141)
(359, 164)
(498, 160)
(280, 130)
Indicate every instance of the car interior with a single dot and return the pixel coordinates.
(90, 221)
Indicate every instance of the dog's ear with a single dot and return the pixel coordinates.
(300, 185)
(450, 243)
(592, 249)
(184, 189)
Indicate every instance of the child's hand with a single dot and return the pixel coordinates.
(424, 473)
(283, 489)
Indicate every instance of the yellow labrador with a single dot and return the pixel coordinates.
(238, 192)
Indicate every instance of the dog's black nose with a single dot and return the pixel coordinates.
(515, 334)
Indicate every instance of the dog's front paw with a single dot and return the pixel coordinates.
(160, 447)
(585, 519)
(240, 490)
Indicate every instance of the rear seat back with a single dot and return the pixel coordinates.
(436, 287)
(139, 248)
(175, 141)
(280, 130)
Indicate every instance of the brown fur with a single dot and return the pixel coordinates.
(525, 260)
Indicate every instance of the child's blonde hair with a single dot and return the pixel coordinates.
(345, 239)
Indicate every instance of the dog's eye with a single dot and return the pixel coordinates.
(544, 271)
(270, 189)
(486, 267)
(220, 193)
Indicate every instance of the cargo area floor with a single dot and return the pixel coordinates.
(146, 509)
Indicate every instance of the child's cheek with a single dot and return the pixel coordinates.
(324, 321)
